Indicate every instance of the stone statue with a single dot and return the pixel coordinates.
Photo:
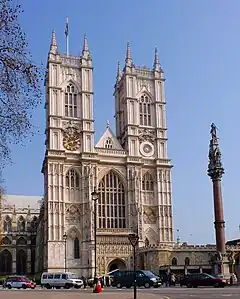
(213, 131)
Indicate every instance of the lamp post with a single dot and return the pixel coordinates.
(65, 246)
(95, 196)
(133, 239)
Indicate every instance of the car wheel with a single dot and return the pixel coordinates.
(9, 286)
(147, 285)
(24, 286)
(67, 286)
(119, 286)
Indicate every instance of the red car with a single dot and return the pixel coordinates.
(202, 280)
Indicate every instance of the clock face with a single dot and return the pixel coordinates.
(147, 149)
(71, 139)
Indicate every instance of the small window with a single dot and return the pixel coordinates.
(108, 143)
(50, 276)
(57, 276)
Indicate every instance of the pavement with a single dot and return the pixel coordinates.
(112, 293)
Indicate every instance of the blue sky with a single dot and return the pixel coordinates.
(199, 47)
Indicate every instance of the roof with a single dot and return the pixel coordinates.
(108, 135)
(22, 201)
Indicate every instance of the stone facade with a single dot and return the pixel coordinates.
(19, 221)
(131, 170)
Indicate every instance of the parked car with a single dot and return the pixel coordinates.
(143, 278)
(59, 280)
(19, 282)
(202, 279)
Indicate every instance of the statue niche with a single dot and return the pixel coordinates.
(72, 215)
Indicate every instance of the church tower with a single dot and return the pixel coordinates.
(69, 139)
(141, 130)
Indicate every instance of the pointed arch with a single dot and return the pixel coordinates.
(72, 179)
(21, 261)
(71, 100)
(151, 235)
(174, 261)
(145, 107)
(21, 224)
(147, 182)
(5, 262)
(21, 241)
(187, 261)
(7, 224)
(111, 202)
(76, 248)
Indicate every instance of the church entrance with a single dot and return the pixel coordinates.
(116, 264)
(5, 262)
(21, 262)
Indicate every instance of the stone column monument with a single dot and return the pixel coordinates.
(220, 260)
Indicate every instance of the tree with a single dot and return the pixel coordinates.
(20, 81)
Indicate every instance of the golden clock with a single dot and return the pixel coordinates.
(71, 139)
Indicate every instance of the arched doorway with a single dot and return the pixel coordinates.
(21, 262)
(5, 262)
(116, 264)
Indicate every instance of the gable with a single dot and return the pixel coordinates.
(108, 140)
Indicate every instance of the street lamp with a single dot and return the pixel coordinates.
(65, 245)
(133, 239)
(95, 196)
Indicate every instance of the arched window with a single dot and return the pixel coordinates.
(145, 111)
(72, 179)
(112, 206)
(21, 224)
(71, 101)
(7, 225)
(108, 143)
(187, 261)
(174, 262)
(147, 182)
(76, 248)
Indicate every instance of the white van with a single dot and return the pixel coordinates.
(59, 280)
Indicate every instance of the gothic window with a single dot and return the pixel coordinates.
(72, 179)
(21, 224)
(174, 262)
(145, 110)
(5, 262)
(147, 182)
(187, 261)
(7, 225)
(108, 143)
(76, 248)
(112, 205)
(71, 101)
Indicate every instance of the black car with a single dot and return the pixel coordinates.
(143, 278)
(203, 280)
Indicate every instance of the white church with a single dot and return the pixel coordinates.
(130, 169)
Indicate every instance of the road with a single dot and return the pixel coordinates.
(110, 293)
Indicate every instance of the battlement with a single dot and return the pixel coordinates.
(186, 247)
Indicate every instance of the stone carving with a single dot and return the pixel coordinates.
(150, 214)
(146, 135)
(73, 214)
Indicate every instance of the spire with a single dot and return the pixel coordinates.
(85, 51)
(156, 64)
(53, 46)
(128, 59)
(118, 72)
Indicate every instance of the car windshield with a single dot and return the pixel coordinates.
(150, 274)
